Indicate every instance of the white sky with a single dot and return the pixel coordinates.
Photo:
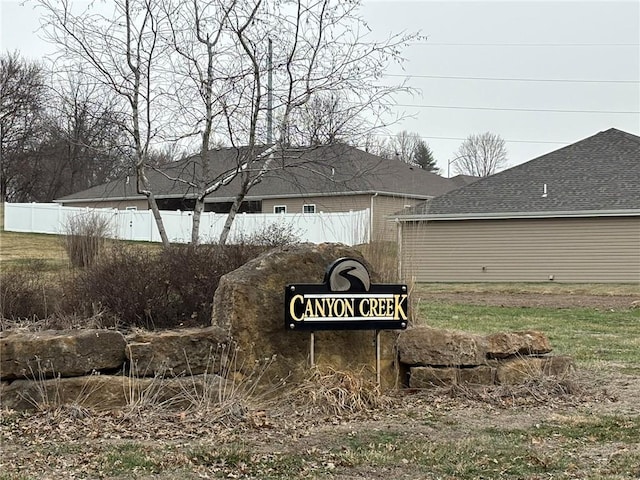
(580, 57)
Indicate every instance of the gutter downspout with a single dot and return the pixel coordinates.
(399, 230)
(371, 217)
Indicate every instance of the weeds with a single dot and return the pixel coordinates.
(338, 392)
(85, 238)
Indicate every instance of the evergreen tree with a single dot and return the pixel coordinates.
(423, 156)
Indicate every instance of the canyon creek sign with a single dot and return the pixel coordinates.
(347, 300)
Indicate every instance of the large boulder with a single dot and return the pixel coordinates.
(189, 351)
(65, 353)
(426, 346)
(249, 304)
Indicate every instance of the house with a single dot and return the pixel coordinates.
(572, 215)
(332, 178)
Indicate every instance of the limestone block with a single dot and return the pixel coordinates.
(63, 353)
(428, 346)
(190, 351)
(429, 377)
(503, 345)
(520, 370)
(109, 392)
(481, 375)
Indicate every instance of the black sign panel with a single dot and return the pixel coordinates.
(346, 301)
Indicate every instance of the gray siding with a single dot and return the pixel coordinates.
(580, 250)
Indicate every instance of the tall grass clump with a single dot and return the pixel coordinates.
(383, 258)
(85, 238)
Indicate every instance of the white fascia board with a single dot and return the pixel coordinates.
(514, 215)
(343, 194)
(213, 199)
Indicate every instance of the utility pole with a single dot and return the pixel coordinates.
(270, 95)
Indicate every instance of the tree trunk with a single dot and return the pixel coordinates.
(224, 235)
(197, 215)
(153, 205)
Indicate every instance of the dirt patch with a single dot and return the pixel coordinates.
(601, 302)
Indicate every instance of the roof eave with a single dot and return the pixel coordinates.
(515, 215)
(250, 197)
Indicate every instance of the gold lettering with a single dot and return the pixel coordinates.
(348, 308)
(399, 311)
(292, 307)
(308, 308)
(363, 302)
(319, 305)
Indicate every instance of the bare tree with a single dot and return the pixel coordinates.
(85, 143)
(481, 155)
(227, 63)
(402, 145)
(22, 102)
(122, 53)
(209, 62)
(408, 147)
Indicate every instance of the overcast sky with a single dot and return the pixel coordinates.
(540, 74)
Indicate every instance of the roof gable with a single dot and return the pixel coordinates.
(599, 173)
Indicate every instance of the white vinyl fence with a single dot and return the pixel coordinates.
(350, 228)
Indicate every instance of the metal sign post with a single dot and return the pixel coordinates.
(346, 300)
(378, 357)
(312, 349)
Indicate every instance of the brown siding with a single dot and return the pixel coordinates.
(384, 228)
(323, 204)
(587, 250)
(383, 205)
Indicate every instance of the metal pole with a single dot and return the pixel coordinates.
(312, 348)
(270, 95)
(378, 357)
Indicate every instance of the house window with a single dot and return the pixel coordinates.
(309, 208)
(279, 209)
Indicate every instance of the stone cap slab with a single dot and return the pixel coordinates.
(65, 353)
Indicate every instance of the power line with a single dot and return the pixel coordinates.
(570, 45)
(543, 110)
(505, 79)
(461, 138)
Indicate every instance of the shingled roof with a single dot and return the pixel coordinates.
(324, 170)
(599, 175)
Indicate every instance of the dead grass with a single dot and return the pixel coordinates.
(18, 249)
(336, 392)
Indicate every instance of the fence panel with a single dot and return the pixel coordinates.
(350, 228)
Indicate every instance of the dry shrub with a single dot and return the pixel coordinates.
(152, 289)
(272, 235)
(85, 237)
(26, 292)
(338, 392)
